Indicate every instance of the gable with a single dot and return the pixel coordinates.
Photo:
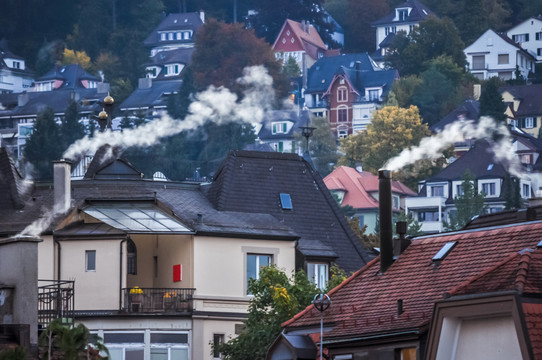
(490, 42)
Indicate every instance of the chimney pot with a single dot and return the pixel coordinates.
(385, 207)
(62, 185)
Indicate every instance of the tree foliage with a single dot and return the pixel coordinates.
(276, 299)
(359, 33)
(469, 204)
(58, 341)
(71, 129)
(76, 57)
(491, 102)
(223, 50)
(403, 128)
(322, 146)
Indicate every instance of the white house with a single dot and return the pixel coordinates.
(14, 76)
(495, 54)
(528, 35)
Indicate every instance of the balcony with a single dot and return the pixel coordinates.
(157, 300)
(55, 301)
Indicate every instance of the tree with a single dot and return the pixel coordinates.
(291, 69)
(405, 88)
(178, 103)
(322, 146)
(71, 129)
(44, 145)
(434, 37)
(468, 204)
(512, 193)
(391, 130)
(58, 341)
(414, 228)
(360, 35)
(76, 57)
(222, 51)
(491, 102)
(276, 299)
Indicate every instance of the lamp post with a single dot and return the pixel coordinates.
(105, 117)
(321, 302)
(306, 132)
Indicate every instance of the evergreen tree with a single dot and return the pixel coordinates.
(512, 193)
(44, 145)
(71, 129)
(491, 102)
(178, 103)
(468, 204)
(322, 146)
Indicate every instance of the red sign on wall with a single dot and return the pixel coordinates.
(177, 273)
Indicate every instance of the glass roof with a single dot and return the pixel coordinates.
(135, 217)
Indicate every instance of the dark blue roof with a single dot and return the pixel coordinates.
(322, 71)
(468, 110)
(152, 96)
(172, 22)
(71, 75)
(419, 12)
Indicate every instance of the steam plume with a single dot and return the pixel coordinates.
(433, 147)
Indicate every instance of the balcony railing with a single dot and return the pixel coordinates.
(55, 301)
(157, 300)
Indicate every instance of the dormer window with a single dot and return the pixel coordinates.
(373, 94)
(279, 128)
(163, 37)
(402, 14)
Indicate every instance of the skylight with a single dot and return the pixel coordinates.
(539, 245)
(286, 202)
(490, 167)
(444, 251)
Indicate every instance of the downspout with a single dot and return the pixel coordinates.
(120, 273)
(58, 258)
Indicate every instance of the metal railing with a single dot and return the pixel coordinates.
(55, 301)
(156, 300)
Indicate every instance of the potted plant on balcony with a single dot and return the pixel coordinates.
(136, 298)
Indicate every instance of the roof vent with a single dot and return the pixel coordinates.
(444, 251)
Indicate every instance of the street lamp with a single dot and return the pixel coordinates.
(321, 302)
(306, 132)
(105, 117)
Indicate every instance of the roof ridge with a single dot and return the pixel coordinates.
(523, 269)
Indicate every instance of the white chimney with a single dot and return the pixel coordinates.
(62, 185)
(476, 91)
(202, 16)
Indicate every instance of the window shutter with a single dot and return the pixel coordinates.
(284, 127)
(535, 119)
(521, 123)
(526, 37)
(274, 128)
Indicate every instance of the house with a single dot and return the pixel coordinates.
(15, 77)
(528, 35)
(359, 189)
(404, 17)
(300, 41)
(281, 130)
(472, 293)
(65, 84)
(524, 106)
(171, 44)
(347, 89)
(495, 54)
(150, 99)
(161, 268)
(435, 201)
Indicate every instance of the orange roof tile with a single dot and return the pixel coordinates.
(366, 303)
(533, 322)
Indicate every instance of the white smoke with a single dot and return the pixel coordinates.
(39, 225)
(432, 148)
(218, 105)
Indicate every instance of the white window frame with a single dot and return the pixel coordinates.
(88, 267)
(502, 62)
(342, 94)
(250, 250)
(318, 274)
(529, 122)
(339, 109)
(444, 188)
(490, 185)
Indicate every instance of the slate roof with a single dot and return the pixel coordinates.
(419, 12)
(251, 182)
(177, 56)
(361, 79)
(172, 22)
(322, 72)
(71, 75)
(468, 110)
(5, 53)
(58, 100)
(152, 97)
(365, 305)
(359, 186)
(266, 131)
(530, 97)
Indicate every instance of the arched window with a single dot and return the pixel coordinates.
(132, 258)
(342, 113)
(342, 94)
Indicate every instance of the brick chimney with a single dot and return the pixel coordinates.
(62, 185)
(386, 231)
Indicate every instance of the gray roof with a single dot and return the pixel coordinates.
(154, 96)
(419, 12)
(315, 215)
(321, 73)
(468, 110)
(172, 22)
(71, 75)
(266, 132)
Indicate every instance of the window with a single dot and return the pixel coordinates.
(407, 354)
(437, 190)
(478, 62)
(342, 131)
(163, 37)
(402, 14)
(526, 159)
(444, 251)
(254, 263)
(279, 128)
(131, 258)
(488, 189)
(528, 123)
(170, 36)
(317, 274)
(286, 202)
(428, 216)
(373, 95)
(519, 38)
(218, 339)
(503, 59)
(90, 260)
(342, 94)
(459, 190)
(390, 30)
(342, 114)
(539, 52)
(526, 191)
(538, 36)
(396, 201)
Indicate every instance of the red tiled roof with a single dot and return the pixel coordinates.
(358, 187)
(366, 303)
(533, 322)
